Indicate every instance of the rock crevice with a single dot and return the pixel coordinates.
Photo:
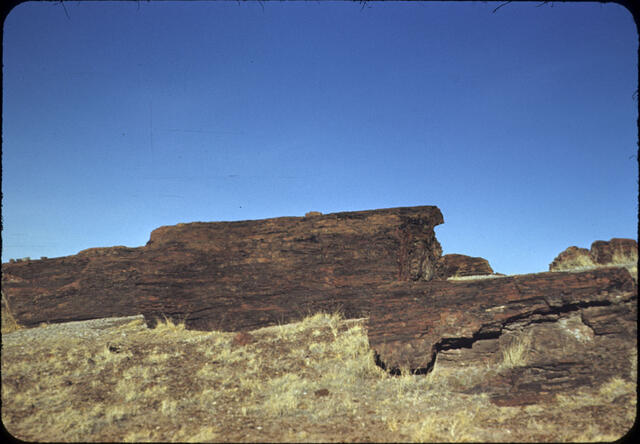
(492, 332)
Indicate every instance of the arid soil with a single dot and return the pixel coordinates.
(315, 380)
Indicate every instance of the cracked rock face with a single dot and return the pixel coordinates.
(541, 333)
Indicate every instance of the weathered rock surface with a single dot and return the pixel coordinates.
(613, 252)
(233, 275)
(573, 329)
(459, 265)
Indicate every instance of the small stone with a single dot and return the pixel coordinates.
(242, 338)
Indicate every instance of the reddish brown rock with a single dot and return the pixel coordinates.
(233, 275)
(571, 259)
(576, 329)
(242, 338)
(613, 252)
(459, 265)
(322, 392)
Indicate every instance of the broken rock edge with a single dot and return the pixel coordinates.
(494, 331)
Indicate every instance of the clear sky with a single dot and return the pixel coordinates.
(121, 117)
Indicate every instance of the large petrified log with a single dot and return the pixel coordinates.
(573, 328)
(233, 275)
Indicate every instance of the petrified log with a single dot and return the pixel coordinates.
(578, 327)
(613, 252)
(233, 275)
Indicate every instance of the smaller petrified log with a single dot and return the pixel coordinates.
(412, 322)
(458, 265)
(613, 252)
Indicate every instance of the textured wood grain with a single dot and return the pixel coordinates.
(233, 275)
(573, 328)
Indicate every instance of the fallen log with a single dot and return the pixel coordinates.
(410, 322)
(542, 333)
(233, 276)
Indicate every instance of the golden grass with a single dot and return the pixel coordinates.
(475, 277)
(315, 380)
(9, 323)
(578, 262)
(516, 355)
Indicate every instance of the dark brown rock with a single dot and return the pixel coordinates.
(459, 265)
(573, 329)
(412, 321)
(233, 275)
(613, 252)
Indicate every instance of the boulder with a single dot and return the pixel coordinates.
(459, 265)
(613, 252)
(572, 258)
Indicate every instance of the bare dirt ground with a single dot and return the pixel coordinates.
(316, 380)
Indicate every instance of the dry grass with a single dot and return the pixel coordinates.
(585, 263)
(315, 380)
(9, 323)
(579, 262)
(475, 277)
(516, 355)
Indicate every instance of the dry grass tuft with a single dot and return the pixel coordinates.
(9, 323)
(476, 277)
(516, 355)
(166, 325)
(578, 262)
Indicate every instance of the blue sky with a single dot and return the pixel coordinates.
(519, 125)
